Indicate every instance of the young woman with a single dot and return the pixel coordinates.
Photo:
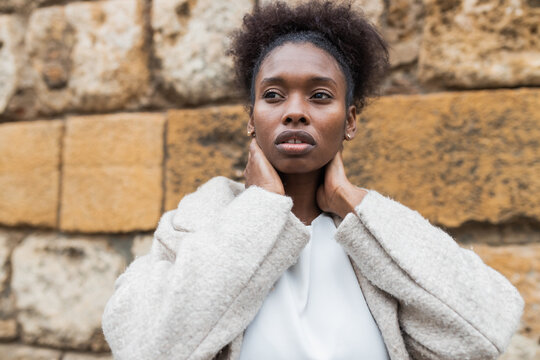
(298, 263)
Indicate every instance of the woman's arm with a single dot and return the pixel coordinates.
(451, 305)
(198, 289)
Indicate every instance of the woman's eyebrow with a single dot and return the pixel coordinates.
(272, 80)
(323, 79)
(315, 79)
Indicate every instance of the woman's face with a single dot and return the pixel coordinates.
(299, 113)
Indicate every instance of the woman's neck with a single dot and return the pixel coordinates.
(302, 188)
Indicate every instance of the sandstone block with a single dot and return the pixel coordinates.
(88, 56)
(521, 265)
(61, 286)
(112, 177)
(190, 41)
(454, 157)
(112, 199)
(29, 172)
(202, 144)
(516, 232)
(23, 352)
(11, 55)
(479, 44)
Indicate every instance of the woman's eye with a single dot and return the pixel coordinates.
(272, 95)
(321, 96)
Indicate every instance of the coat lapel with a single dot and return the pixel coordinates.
(384, 310)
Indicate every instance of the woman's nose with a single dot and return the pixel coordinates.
(295, 111)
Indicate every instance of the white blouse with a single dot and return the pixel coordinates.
(316, 309)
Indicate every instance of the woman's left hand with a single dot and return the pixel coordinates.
(336, 194)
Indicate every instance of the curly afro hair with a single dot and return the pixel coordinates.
(334, 27)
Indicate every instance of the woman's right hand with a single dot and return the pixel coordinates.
(260, 172)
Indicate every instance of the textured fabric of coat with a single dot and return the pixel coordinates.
(214, 259)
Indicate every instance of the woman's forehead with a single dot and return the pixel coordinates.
(300, 60)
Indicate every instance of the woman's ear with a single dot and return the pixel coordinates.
(350, 124)
(250, 126)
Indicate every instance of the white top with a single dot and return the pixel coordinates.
(316, 309)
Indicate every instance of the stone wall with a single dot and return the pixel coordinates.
(112, 110)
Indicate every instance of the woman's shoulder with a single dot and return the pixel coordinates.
(218, 189)
(209, 199)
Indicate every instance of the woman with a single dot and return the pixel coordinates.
(299, 263)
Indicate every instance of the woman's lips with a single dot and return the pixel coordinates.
(294, 149)
(294, 142)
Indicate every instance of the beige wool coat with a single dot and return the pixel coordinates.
(216, 257)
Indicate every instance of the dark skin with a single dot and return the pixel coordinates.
(301, 87)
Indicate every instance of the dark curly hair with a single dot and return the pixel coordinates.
(347, 35)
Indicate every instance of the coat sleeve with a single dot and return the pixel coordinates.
(450, 304)
(173, 302)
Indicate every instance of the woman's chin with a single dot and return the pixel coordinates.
(296, 168)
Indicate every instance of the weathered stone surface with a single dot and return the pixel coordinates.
(478, 44)
(11, 55)
(76, 356)
(7, 309)
(190, 41)
(9, 5)
(373, 9)
(61, 286)
(521, 265)
(23, 6)
(88, 56)
(23, 352)
(515, 232)
(29, 172)
(112, 176)
(202, 144)
(402, 29)
(7, 244)
(454, 157)
(8, 323)
(141, 245)
(522, 348)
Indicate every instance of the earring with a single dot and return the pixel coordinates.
(251, 133)
(347, 137)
